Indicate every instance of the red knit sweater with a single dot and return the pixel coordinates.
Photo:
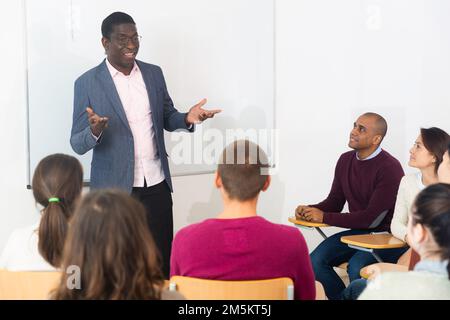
(243, 249)
(370, 188)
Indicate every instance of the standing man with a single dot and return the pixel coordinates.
(367, 178)
(120, 110)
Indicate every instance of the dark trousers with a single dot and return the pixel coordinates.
(354, 289)
(157, 201)
(332, 252)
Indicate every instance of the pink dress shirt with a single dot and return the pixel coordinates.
(136, 103)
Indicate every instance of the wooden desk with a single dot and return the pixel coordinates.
(309, 225)
(379, 268)
(369, 242)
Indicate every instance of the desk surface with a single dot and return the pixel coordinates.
(382, 267)
(374, 241)
(306, 223)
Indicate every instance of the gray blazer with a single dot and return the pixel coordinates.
(112, 163)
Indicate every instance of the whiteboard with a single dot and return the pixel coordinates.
(220, 50)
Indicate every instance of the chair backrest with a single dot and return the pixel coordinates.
(27, 285)
(203, 289)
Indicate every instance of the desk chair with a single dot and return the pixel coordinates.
(27, 285)
(369, 242)
(309, 225)
(205, 289)
(303, 224)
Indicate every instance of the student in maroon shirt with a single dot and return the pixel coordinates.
(367, 178)
(239, 244)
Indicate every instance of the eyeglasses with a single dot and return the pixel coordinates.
(123, 41)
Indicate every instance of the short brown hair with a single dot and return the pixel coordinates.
(436, 142)
(110, 242)
(241, 168)
(56, 176)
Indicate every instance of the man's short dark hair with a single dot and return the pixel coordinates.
(241, 168)
(380, 123)
(114, 19)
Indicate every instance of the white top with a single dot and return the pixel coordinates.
(428, 281)
(21, 252)
(410, 186)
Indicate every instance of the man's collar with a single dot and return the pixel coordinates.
(373, 155)
(113, 71)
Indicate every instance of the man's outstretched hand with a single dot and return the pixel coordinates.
(197, 114)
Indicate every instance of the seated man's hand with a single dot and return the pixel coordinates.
(299, 211)
(313, 215)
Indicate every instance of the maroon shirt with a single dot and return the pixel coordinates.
(369, 186)
(243, 249)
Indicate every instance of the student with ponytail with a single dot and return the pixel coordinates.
(57, 184)
(429, 235)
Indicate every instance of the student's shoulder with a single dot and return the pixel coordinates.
(389, 160)
(390, 280)
(21, 237)
(407, 285)
(284, 228)
(194, 228)
(410, 179)
(289, 232)
(383, 286)
(345, 159)
(24, 233)
(347, 156)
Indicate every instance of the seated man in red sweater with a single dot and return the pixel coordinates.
(367, 178)
(239, 244)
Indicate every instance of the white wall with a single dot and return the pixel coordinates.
(335, 60)
(16, 203)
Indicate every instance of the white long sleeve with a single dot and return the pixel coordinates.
(21, 252)
(410, 186)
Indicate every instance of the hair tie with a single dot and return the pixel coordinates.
(54, 199)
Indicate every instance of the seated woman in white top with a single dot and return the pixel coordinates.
(56, 184)
(425, 155)
(429, 235)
